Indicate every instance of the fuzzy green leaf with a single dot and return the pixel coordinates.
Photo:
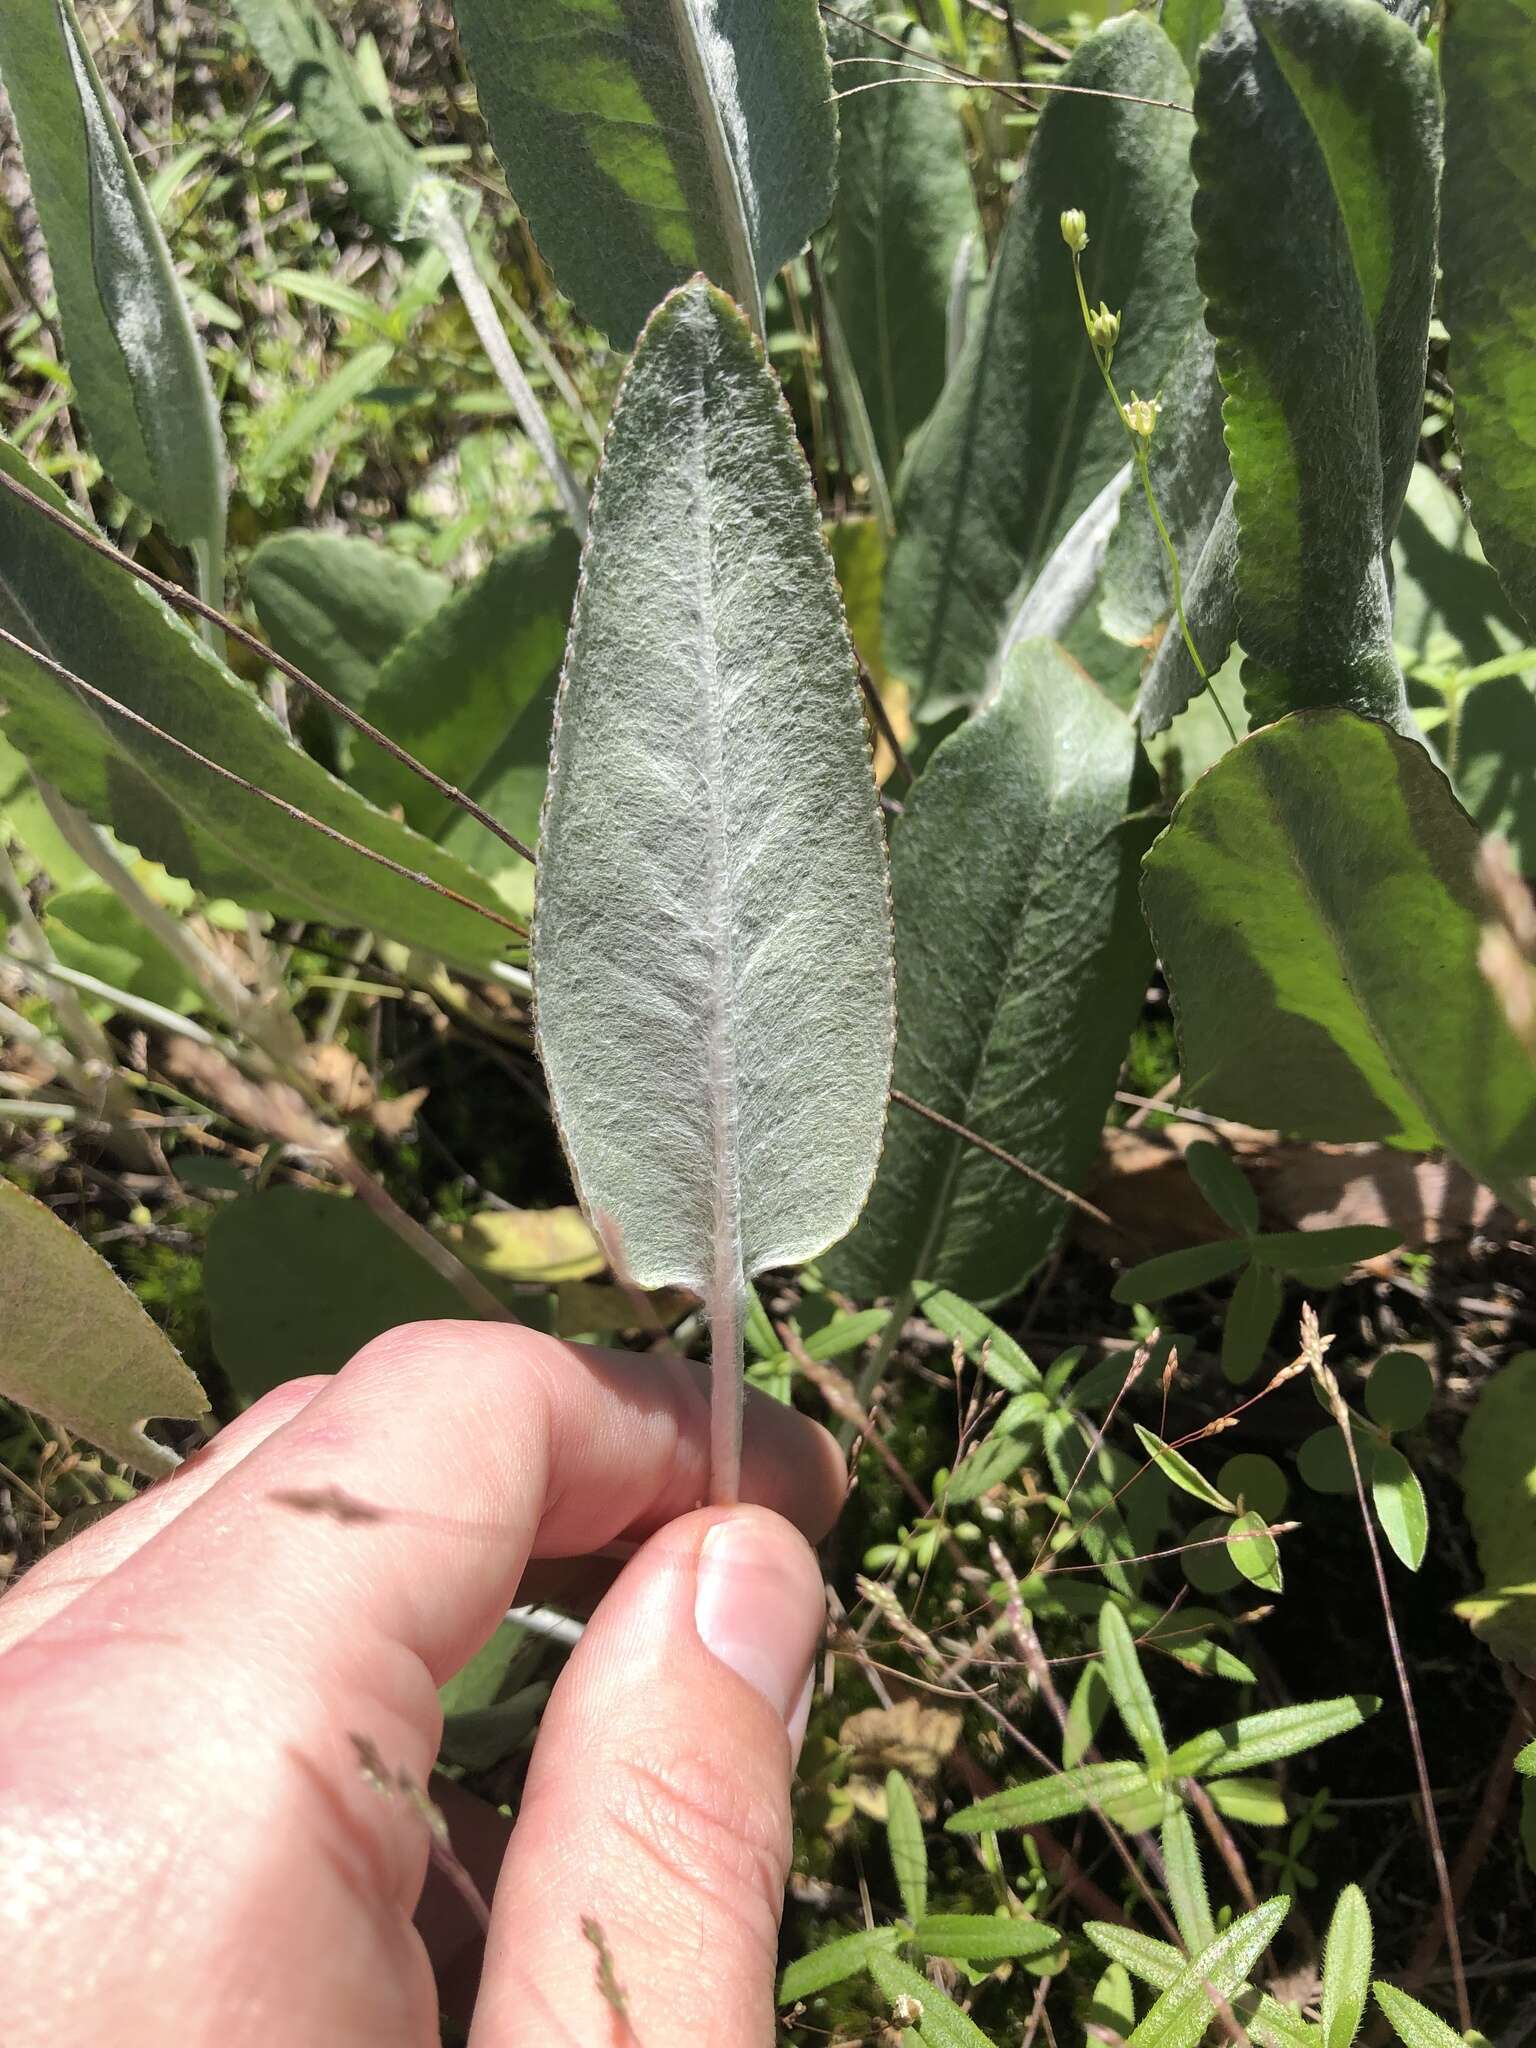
(1317, 154)
(645, 145)
(76, 1347)
(712, 945)
(1159, 1963)
(1024, 437)
(1257, 1802)
(310, 68)
(337, 605)
(904, 207)
(1089, 1703)
(138, 370)
(1112, 2010)
(1488, 248)
(1346, 1968)
(834, 1962)
(983, 1937)
(904, 1834)
(1311, 886)
(1186, 1882)
(1029, 963)
(1414, 2024)
(1128, 1683)
(1006, 1360)
(943, 2024)
(1022, 1806)
(1178, 1272)
(1184, 2011)
(1258, 1739)
(108, 629)
(1183, 1474)
(1525, 1762)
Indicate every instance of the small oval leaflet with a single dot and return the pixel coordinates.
(712, 948)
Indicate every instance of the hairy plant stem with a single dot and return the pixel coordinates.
(1139, 447)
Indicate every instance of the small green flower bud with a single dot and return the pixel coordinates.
(1074, 229)
(1105, 328)
(1141, 415)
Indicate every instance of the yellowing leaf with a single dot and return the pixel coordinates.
(541, 1246)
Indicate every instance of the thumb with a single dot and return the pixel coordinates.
(654, 1829)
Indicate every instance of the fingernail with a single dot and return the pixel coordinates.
(753, 1610)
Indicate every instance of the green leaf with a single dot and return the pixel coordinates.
(989, 1465)
(1089, 1703)
(1498, 1480)
(1414, 2024)
(904, 1833)
(1005, 1359)
(1255, 1552)
(337, 605)
(1186, 1882)
(1172, 681)
(1399, 1502)
(1208, 1563)
(834, 1961)
(1316, 153)
(646, 147)
(1027, 962)
(138, 370)
(297, 1281)
(1224, 1185)
(1259, 1739)
(943, 2024)
(1127, 1682)
(111, 631)
(310, 69)
(1250, 1321)
(1194, 1265)
(1448, 609)
(904, 206)
(1182, 1472)
(1184, 2011)
(1256, 1482)
(471, 694)
(1159, 1964)
(1525, 1762)
(307, 423)
(1486, 245)
(712, 841)
(1112, 2010)
(1311, 886)
(1024, 437)
(76, 1347)
(1190, 23)
(983, 1937)
(1399, 1390)
(1086, 1468)
(1310, 1251)
(1346, 1968)
(1023, 1806)
(91, 929)
(1257, 1802)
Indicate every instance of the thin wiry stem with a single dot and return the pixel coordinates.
(134, 718)
(986, 1145)
(1330, 1386)
(185, 601)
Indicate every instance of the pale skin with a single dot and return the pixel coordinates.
(189, 1851)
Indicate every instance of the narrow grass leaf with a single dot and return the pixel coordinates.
(310, 69)
(1398, 1500)
(711, 843)
(1020, 969)
(645, 145)
(1259, 1739)
(138, 369)
(1022, 1806)
(1346, 1968)
(1317, 155)
(904, 1834)
(1128, 1685)
(76, 1347)
(1024, 437)
(1310, 887)
(82, 611)
(1488, 249)
(1183, 1474)
(1184, 2011)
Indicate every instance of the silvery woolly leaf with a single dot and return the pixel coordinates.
(712, 950)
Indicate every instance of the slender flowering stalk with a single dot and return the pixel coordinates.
(1139, 418)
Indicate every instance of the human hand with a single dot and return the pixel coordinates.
(188, 1849)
